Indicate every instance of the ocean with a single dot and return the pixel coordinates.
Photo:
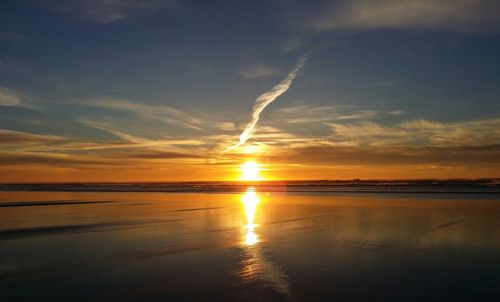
(301, 241)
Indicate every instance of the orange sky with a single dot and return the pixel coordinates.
(122, 91)
(207, 172)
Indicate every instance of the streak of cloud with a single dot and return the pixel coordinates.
(303, 114)
(12, 98)
(264, 100)
(9, 97)
(258, 71)
(110, 11)
(10, 137)
(419, 132)
(457, 15)
(172, 144)
(161, 113)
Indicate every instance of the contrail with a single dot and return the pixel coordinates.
(265, 99)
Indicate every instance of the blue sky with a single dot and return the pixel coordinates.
(180, 78)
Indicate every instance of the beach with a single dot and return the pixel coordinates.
(249, 246)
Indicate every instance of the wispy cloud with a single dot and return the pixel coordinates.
(120, 134)
(162, 144)
(12, 98)
(161, 113)
(110, 11)
(22, 141)
(420, 132)
(302, 114)
(225, 126)
(265, 99)
(47, 159)
(9, 97)
(10, 137)
(458, 15)
(20, 149)
(386, 155)
(258, 71)
(355, 134)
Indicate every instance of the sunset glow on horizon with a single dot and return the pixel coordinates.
(166, 92)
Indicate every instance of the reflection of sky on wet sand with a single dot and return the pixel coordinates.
(155, 246)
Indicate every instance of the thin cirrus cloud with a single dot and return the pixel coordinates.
(36, 144)
(11, 159)
(420, 132)
(22, 141)
(160, 113)
(258, 71)
(357, 148)
(173, 143)
(418, 157)
(110, 11)
(340, 126)
(9, 97)
(301, 114)
(414, 142)
(350, 126)
(144, 158)
(18, 148)
(225, 126)
(11, 137)
(456, 15)
(13, 98)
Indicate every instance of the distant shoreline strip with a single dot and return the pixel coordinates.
(321, 186)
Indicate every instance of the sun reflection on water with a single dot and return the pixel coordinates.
(250, 201)
(255, 265)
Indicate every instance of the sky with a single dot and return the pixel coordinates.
(125, 90)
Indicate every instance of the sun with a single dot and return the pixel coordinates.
(250, 171)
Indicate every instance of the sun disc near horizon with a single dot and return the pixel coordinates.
(250, 171)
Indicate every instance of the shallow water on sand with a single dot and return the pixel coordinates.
(249, 247)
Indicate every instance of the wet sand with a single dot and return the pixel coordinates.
(249, 246)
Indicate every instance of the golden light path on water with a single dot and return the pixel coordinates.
(250, 201)
(255, 265)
